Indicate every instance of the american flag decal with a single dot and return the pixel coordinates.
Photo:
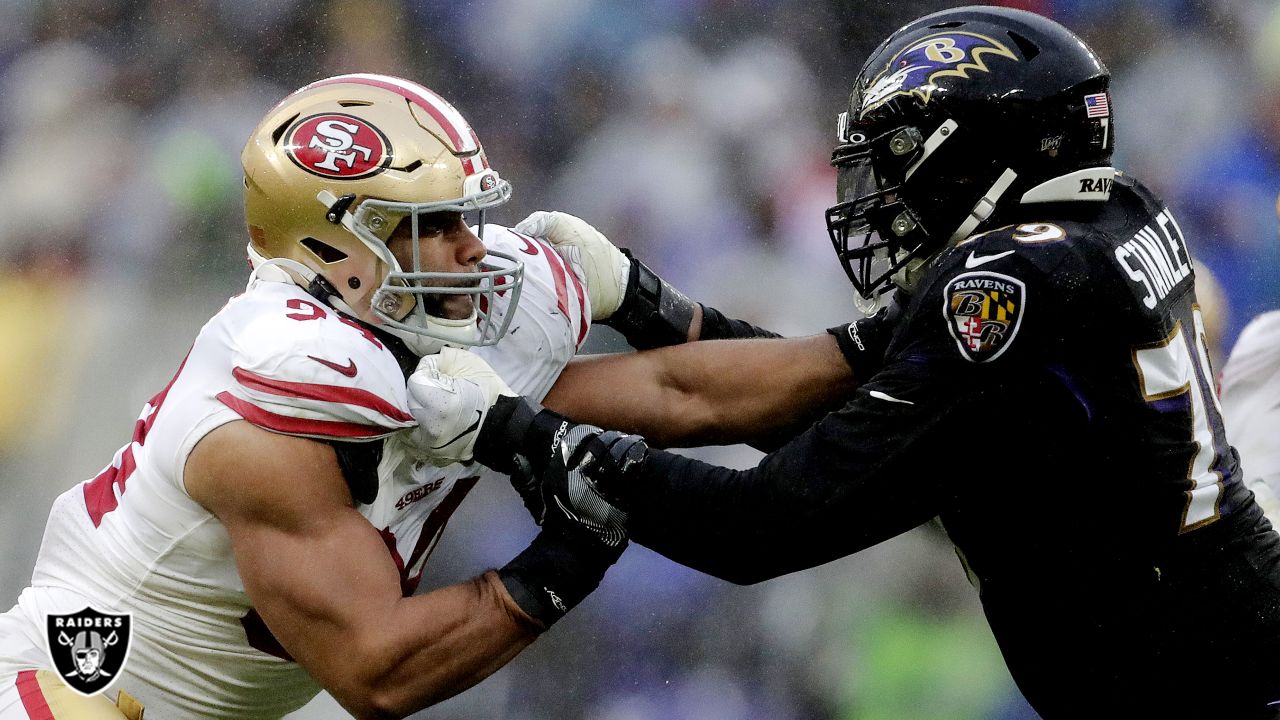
(1097, 105)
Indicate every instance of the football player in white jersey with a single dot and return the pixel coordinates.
(1250, 396)
(266, 526)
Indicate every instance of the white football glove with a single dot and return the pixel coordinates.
(606, 268)
(450, 394)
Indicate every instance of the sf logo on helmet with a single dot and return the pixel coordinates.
(88, 648)
(334, 145)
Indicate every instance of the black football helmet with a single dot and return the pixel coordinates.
(957, 117)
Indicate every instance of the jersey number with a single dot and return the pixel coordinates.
(1180, 365)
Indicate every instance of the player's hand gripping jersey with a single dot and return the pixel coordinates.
(1050, 399)
(132, 540)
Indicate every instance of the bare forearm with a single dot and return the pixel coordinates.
(442, 643)
(713, 392)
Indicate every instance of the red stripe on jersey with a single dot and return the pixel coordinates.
(32, 696)
(298, 426)
(99, 496)
(431, 530)
(406, 585)
(100, 492)
(557, 272)
(560, 268)
(324, 393)
(584, 322)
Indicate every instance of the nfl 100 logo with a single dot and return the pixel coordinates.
(88, 648)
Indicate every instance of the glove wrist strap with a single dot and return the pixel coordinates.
(863, 344)
(556, 572)
(516, 428)
(508, 420)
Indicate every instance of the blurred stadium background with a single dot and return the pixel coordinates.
(696, 132)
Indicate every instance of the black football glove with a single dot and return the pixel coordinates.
(559, 467)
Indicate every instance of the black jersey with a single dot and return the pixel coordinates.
(1048, 396)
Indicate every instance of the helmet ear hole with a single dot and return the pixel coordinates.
(279, 131)
(327, 253)
(1028, 48)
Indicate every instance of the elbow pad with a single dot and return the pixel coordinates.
(653, 313)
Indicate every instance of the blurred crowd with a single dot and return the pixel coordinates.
(697, 133)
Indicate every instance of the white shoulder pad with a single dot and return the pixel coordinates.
(300, 368)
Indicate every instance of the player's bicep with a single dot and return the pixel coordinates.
(299, 546)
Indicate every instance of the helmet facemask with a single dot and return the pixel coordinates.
(877, 236)
(410, 301)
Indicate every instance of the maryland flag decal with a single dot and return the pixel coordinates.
(984, 310)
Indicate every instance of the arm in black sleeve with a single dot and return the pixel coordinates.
(868, 472)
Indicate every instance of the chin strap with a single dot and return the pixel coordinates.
(985, 206)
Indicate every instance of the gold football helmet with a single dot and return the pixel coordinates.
(334, 169)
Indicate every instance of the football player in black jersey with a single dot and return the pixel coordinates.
(1046, 394)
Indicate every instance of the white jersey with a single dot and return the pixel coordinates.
(132, 540)
(1251, 408)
